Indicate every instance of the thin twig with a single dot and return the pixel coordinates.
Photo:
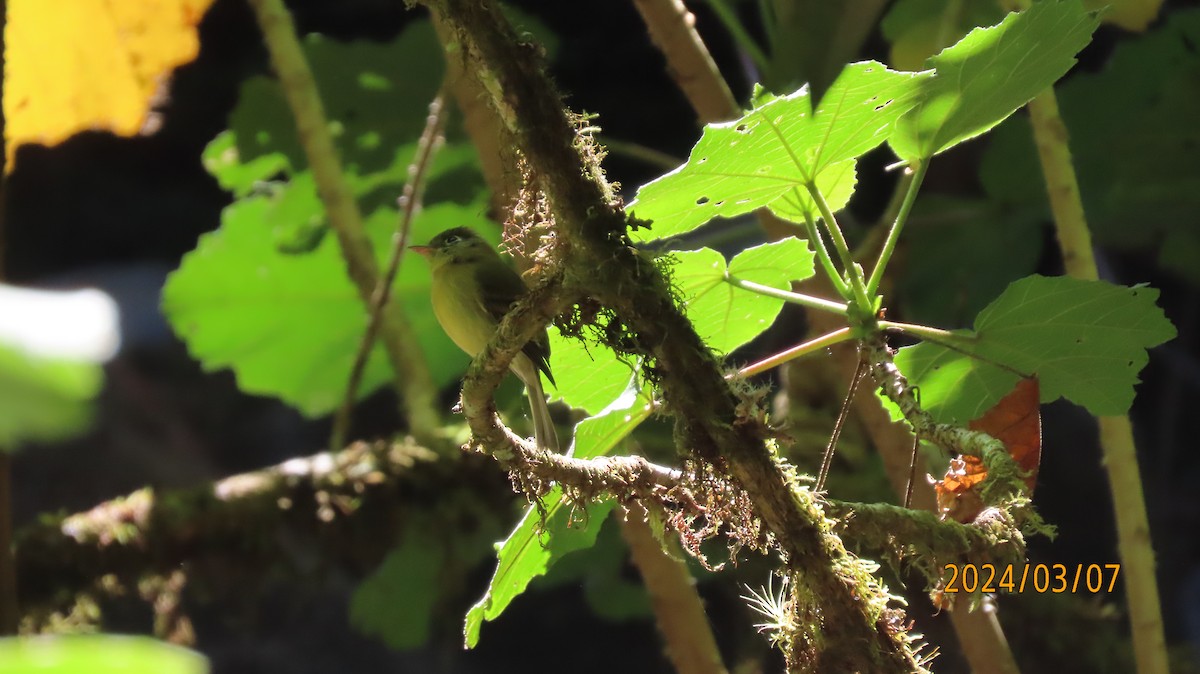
(414, 384)
(409, 202)
(831, 448)
(811, 346)
(912, 472)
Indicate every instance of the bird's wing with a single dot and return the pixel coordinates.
(498, 294)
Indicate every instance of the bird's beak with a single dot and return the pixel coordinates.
(424, 251)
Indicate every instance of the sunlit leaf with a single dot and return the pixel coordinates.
(94, 65)
(778, 148)
(529, 551)
(990, 73)
(589, 376)
(727, 316)
(96, 654)
(289, 325)
(1085, 341)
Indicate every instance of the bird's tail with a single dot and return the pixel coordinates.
(543, 425)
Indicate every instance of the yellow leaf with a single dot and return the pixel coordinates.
(77, 65)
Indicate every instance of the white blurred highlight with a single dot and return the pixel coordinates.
(71, 324)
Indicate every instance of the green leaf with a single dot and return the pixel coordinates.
(778, 148)
(726, 316)
(991, 73)
(918, 29)
(96, 654)
(396, 602)
(373, 100)
(44, 399)
(531, 549)
(289, 325)
(589, 376)
(1085, 341)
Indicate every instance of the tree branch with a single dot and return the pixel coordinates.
(598, 258)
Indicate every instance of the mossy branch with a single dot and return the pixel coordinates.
(597, 259)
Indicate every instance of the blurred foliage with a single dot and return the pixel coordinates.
(96, 654)
(44, 399)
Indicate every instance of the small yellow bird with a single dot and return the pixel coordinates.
(472, 289)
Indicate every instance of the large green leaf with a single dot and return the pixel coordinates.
(530, 551)
(289, 325)
(726, 316)
(1085, 341)
(778, 148)
(96, 654)
(990, 73)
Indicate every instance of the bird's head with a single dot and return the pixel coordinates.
(455, 246)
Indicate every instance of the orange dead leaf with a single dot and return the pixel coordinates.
(1017, 422)
(75, 65)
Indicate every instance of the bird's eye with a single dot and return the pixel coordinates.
(453, 239)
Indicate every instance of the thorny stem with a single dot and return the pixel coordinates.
(409, 201)
(889, 244)
(1116, 432)
(788, 296)
(673, 30)
(414, 384)
(678, 609)
(1005, 485)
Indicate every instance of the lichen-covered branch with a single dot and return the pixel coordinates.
(846, 632)
(1005, 485)
(340, 501)
(413, 382)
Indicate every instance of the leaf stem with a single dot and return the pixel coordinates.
(789, 296)
(853, 271)
(831, 270)
(889, 244)
(923, 331)
(811, 346)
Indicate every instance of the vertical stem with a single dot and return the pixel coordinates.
(1116, 433)
(413, 382)
(431, 137)
(831, 271)
(889, 244)
(673, 30)
(677, 606)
